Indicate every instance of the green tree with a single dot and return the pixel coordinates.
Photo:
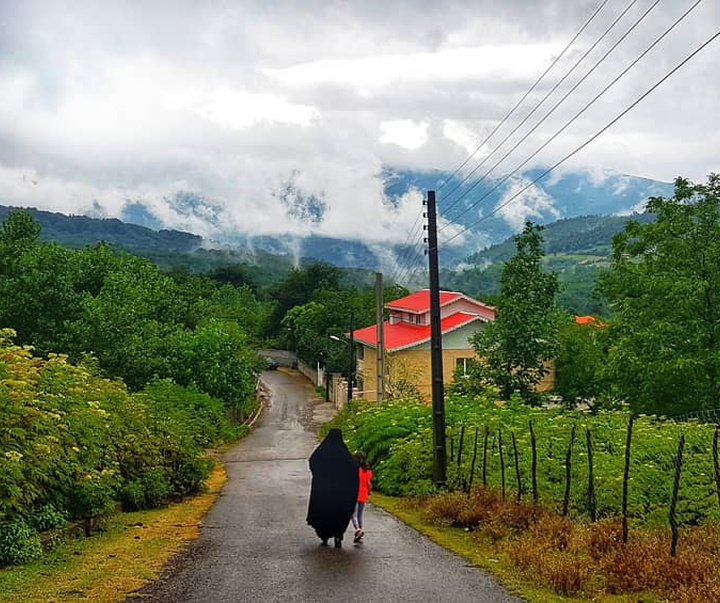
(125, 323)
(18, 234)
(216, 359)
(664, 286)
(298, 288)
(518, 345)
(580, 363)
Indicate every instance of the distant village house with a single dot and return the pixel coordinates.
(407, 343)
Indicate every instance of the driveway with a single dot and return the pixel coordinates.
(254, 544)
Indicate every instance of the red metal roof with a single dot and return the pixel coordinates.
(588, 320)
(420, 300)
(402, 335)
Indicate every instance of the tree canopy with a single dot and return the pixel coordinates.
(664, 287)
(517, 346)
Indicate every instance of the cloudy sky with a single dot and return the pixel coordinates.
(108, 102)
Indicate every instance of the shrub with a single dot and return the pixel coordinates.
(189, 474)
(150, 490)
(46, 517)
(92, 494)
(19, 542)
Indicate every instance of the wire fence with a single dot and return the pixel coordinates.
(642, 470)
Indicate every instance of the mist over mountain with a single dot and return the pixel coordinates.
(473, 215)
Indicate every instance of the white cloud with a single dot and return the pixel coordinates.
(517, 206)
(239, 109)
(113, 101)
(404, 133)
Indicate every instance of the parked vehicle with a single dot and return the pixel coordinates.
(272, 365)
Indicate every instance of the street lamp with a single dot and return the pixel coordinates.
(351, 367)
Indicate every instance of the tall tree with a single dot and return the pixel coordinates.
(664, 286)
(517, 346)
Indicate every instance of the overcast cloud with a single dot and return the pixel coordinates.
(105, 102)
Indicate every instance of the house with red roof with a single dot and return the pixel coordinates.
(407, 342)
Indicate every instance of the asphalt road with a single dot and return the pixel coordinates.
(254, 543)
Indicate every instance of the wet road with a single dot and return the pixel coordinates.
(255, 545)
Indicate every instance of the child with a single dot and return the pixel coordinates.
(365, 487)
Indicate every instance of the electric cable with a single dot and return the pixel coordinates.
(593, 137)
(572, 120)
(529, 91)
(551, 91)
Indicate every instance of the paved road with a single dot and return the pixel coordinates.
(254, 544)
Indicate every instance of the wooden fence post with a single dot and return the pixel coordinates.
(673, 501)
(502, 463)
(517, 467)
(472, 464)
(592, 503)
(568, 465)
(533, 446)
(626, 477)
(485, 449)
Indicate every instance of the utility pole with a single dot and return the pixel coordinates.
(438, 389)
(380, 372)
(351, 370)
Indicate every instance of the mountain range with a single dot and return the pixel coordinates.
(486, 210)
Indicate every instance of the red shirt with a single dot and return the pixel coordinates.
(364, 477)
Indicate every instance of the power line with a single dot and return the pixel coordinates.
(573, 119)
(595, 136)
(404, 253)
(549, 93)
(415, 258)
(517, 104)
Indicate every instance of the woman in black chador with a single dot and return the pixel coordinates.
(334, 488)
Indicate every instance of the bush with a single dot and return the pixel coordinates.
(46, 517)
(19, 542)
(148, 491)
(189, 474)
(92, 494)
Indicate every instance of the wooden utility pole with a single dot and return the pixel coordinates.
(438, 388)
(351, 370)
(380, 372)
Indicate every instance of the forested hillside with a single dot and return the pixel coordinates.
(576, 248)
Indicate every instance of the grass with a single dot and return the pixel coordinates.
(545, 558)
(129, 552)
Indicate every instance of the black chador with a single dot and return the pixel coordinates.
(334, 488)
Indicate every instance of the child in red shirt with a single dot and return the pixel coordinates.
(364, 489)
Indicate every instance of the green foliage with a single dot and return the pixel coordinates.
(137, 322)
(516, 347)
(297, 289)
(663, 286)
(398, 439)
(74, 444)
(215, 359)
(149, 490)
(580, 363)
(46, 517)
(19, 543)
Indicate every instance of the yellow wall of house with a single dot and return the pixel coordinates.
(415, 365)
(411, 364)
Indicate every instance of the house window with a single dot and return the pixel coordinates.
(462, 366)
(360, 352)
